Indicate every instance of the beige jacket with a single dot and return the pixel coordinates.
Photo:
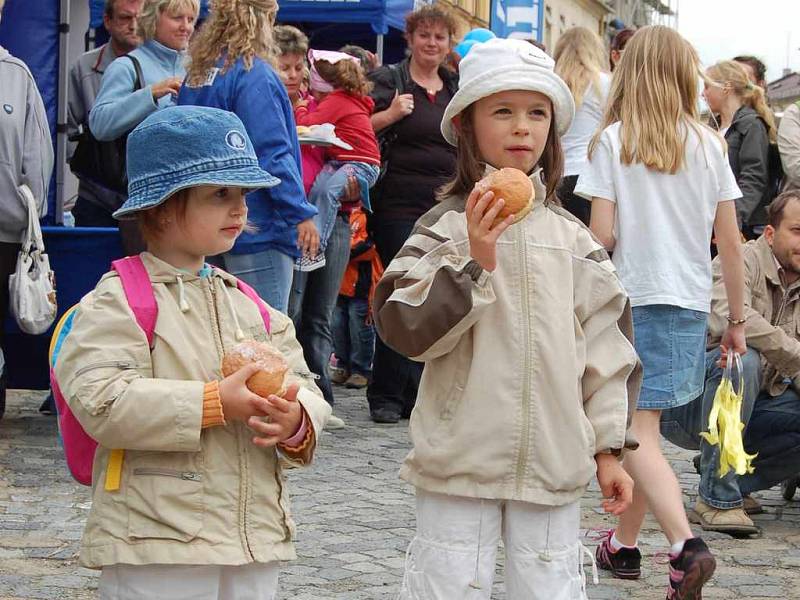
(187, 496)
(772, 311)
(789, 146)
(529, 371)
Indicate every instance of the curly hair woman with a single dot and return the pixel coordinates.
(233, 67)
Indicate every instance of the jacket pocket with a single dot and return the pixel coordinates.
(455, 391)
(165, 502)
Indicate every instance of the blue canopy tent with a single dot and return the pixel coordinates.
(374, 24)
(37, 31)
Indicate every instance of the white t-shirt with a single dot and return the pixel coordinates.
(586, 122)
(663, 222)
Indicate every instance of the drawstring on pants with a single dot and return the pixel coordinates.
(475, 583)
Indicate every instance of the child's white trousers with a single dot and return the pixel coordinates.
(254, 581)
(454, 552)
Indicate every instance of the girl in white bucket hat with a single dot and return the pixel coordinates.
(525, 333)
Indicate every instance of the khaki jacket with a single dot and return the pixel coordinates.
(529, 371)
(187, 495)
(772, 311)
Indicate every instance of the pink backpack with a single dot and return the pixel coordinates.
(79, 447)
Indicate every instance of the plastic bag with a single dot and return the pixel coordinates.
(725, 422)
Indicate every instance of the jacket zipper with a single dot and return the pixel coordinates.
(185, 475)
(120, 364)
(526, 367)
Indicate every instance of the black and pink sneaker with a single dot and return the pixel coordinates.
(624, 563)
(690, 570)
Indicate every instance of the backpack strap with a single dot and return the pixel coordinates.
(253, 295)
(139, 293)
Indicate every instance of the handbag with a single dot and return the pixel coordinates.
(104, 162)
(32, 285)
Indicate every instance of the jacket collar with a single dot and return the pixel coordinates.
(769, 264)
(163, 272)
(104, 58)
(164, 54)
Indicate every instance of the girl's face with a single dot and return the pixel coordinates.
(214, 218)
(290, 68)
(173, 29)
(429, 44)
(511, 128)
(714, 95)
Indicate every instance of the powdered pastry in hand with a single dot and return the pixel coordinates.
(513, 186)
(303, 130)
(270, 379)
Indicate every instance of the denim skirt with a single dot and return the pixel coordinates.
(671, 343)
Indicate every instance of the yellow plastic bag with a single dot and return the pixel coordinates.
(725, 423)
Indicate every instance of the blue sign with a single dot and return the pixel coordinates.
(520, 19)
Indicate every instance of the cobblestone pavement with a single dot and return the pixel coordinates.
(355, 518)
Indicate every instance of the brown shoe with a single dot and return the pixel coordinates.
(751, 506)
(733, 521)
(338, 376)
(356, 381)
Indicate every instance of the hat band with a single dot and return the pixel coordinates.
(207, 166)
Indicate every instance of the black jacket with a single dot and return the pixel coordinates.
(748, 154)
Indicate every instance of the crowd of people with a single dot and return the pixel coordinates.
(568, 342)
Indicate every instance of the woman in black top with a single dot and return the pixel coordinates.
(410, 98)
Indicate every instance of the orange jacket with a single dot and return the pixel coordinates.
(362, 249)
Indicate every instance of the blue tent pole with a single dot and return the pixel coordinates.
(62, 107)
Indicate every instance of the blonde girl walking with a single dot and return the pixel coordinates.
(660, 183)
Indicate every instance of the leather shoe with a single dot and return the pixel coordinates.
(385, 415)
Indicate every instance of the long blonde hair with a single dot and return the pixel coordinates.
(235, 29)
(654, 96)
(152, 9)
(580, 58)
(731, 73)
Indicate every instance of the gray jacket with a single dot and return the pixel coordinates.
(84, 84)
(26, 150)
(748, 154)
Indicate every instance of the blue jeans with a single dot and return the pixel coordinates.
(269, 273)
(772, 429)
(353, 337)
(313, 299)
(329, 187)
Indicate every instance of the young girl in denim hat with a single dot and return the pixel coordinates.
(530, 371)
(201, 510)
(660, 183)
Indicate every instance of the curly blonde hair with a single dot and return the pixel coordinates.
(152, 9)
(235, 29)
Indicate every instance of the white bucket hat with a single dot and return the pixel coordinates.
(500, 65)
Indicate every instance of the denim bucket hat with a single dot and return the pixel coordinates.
(186, 146)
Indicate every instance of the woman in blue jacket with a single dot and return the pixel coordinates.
(232, 68)
(165, 26)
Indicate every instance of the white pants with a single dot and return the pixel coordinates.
(255, 581)
(454, 552)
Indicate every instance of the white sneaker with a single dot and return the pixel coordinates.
(306, 263)
(334, 423)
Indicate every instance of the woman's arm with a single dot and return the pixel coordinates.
(602, 222)
(753, 170)
(402, 105)
(118, 108)
(729, 246)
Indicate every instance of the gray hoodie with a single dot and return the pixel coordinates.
(26, 150)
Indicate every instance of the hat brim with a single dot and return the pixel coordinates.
(508, 78)
(251, 178)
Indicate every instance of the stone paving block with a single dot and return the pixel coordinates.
(355, 519)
